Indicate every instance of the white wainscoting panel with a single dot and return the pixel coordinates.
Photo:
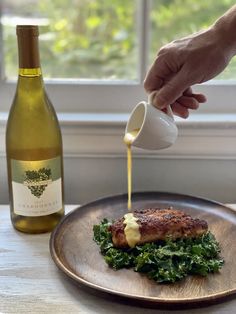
(202, 162)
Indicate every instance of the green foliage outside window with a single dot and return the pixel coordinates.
(98, 39)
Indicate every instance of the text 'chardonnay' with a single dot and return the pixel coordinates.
(33, 145)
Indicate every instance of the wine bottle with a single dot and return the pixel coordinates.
(33, 145)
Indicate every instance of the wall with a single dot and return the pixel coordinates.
(87, 179)
(201, 163)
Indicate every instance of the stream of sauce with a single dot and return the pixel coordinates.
(131, 230)
(128, 140)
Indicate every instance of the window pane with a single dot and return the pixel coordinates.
(91, 39)
(172, 19)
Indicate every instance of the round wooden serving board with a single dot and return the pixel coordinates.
(77, 255)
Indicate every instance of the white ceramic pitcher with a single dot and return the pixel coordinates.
(157, 129)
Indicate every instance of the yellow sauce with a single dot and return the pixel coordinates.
(131, 230)
(128, 140)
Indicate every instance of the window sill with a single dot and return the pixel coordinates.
(201, 136)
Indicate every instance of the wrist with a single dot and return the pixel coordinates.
(224, 31)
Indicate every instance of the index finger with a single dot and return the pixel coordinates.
(157, 75)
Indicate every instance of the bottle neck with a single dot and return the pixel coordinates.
(30, 79)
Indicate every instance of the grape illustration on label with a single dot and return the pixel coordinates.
(37, 181)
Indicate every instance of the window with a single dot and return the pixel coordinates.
(95, 54)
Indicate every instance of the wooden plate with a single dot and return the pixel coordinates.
(77, 255)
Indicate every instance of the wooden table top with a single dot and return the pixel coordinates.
(31, 283)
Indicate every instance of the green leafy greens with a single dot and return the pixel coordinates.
(162, 261)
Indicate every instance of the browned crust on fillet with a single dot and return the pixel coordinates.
(159, 224)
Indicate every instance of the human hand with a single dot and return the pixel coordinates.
(183, 63)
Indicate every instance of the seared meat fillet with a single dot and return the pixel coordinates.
(159, 224)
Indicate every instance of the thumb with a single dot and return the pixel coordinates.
(170, 91)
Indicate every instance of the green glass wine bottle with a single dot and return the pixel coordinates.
(33, 145)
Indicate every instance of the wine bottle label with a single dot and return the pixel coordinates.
(36, 187)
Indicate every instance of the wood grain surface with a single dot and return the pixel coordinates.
(77, 255)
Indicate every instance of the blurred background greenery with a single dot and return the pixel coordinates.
(98, 39)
